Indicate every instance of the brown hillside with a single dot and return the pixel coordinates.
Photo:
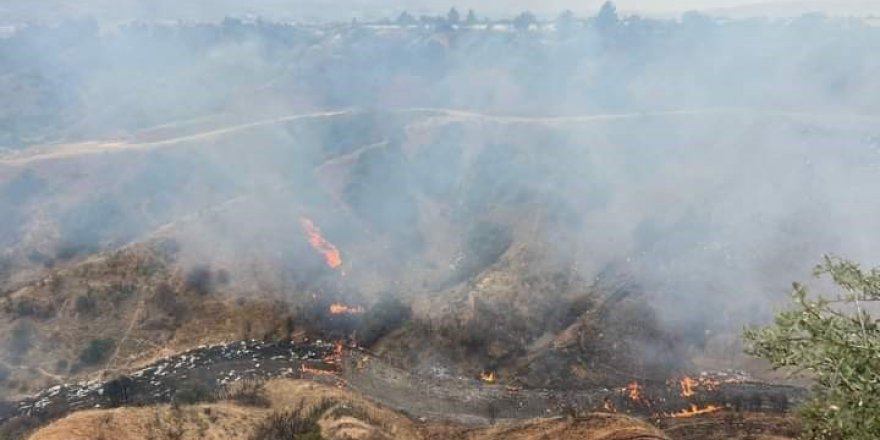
(339, 414)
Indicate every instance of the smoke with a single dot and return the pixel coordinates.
(713, 161)
(124, 11)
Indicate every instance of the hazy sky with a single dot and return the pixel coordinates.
(748, 7)
(793, 7)
(343, 10)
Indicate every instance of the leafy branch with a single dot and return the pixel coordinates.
(836, 343)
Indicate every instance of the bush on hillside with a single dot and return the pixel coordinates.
(96, 351)
(835, 341)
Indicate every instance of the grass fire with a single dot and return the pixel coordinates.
(343, 309)
(319, 243)
(488, 376)
(695, 410)
(401, 220)
(634, 392)
(688, 386)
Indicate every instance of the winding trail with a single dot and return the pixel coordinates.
(91, 148)
(98, 147)
(467, 114)
(732, 111)
(111, 363)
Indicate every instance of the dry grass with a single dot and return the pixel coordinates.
(351, 416)
(209, 422)
(338, 413)
(592, 427)
(734, 426)
(125, 306)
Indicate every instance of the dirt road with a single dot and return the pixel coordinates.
(91, 148)
(98, 147)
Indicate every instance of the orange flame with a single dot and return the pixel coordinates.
(331, 254)
(694, 410)
(634, 392)
(488, 376)
(335, 357)
(688, 386)
(342, 309)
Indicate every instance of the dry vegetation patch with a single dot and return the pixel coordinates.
(590, 427)
(210, 422)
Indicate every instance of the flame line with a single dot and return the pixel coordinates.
(330, 253)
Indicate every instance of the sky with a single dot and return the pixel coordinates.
(344, 10)
(664, 7)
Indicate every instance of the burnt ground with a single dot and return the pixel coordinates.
(196, 375)
(203, 374)
(465, 399)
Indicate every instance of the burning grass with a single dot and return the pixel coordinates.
(696, 410)
(331, 255)
(488, 376)
(343, 309)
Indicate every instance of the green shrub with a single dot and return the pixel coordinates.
(199, 280)
(297, 424)
(85, 304)
(247, 392)
(96, 352)
(165, 299)
(836, 343)
(22, 339)
(28, 307)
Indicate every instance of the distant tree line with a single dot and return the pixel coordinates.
(565, 22)
(597, 63)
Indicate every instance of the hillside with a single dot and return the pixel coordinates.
(304, 408)
(481, 288)
(449, 245)
(422, 227)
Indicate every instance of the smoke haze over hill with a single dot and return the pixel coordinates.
(727, 151)
(344, 10)
(520, 194)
